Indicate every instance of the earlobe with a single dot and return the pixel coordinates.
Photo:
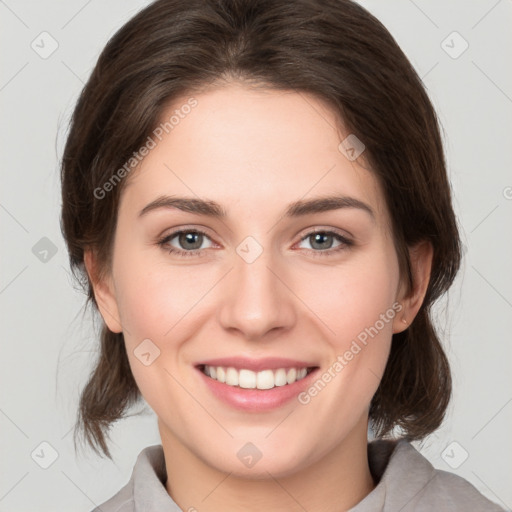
(103, 293)
(420, 257)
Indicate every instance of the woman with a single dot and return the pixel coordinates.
(257, 198)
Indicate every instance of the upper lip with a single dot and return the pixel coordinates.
(256, 365)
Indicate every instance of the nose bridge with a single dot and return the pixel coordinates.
(256, 301)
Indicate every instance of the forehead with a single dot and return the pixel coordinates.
(250, 147)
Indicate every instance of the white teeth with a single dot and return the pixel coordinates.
(231, 377)
(248, 379)
(291, 376)
(280, 377)
(221, 374)
(265, 379)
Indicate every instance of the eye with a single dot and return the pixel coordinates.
(326, 241)
(189, 242)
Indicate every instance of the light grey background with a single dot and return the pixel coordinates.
(48, 345)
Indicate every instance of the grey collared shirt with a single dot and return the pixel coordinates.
(407, 482)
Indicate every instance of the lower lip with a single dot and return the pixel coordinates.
(257, 400)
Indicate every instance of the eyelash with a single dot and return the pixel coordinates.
(345, 243)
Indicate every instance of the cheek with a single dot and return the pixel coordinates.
(166, 305)
(154, 298)
(357, 303)
(156, 304)
(352, 297)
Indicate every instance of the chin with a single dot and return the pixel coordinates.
(256, 460)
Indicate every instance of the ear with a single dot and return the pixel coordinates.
(420, 257)
(104, 293)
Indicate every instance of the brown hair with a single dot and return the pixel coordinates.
(333, 49)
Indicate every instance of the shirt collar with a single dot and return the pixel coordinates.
(401, 471)
(392, 464)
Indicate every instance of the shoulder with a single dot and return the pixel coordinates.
(146, 484)
(447, 491)
(408, 482)
(122, 501)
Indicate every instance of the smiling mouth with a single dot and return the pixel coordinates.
(248, 379)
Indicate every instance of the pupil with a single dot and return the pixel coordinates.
(195, 239)
(320, 239)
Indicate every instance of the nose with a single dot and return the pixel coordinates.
(257, 299)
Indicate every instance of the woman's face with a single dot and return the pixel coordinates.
(259, 292)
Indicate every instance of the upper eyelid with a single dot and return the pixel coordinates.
(336, 231)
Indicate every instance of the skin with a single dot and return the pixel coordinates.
(255, 152)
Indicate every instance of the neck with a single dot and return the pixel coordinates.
(335, 483)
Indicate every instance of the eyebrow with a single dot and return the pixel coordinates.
(295, 209)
